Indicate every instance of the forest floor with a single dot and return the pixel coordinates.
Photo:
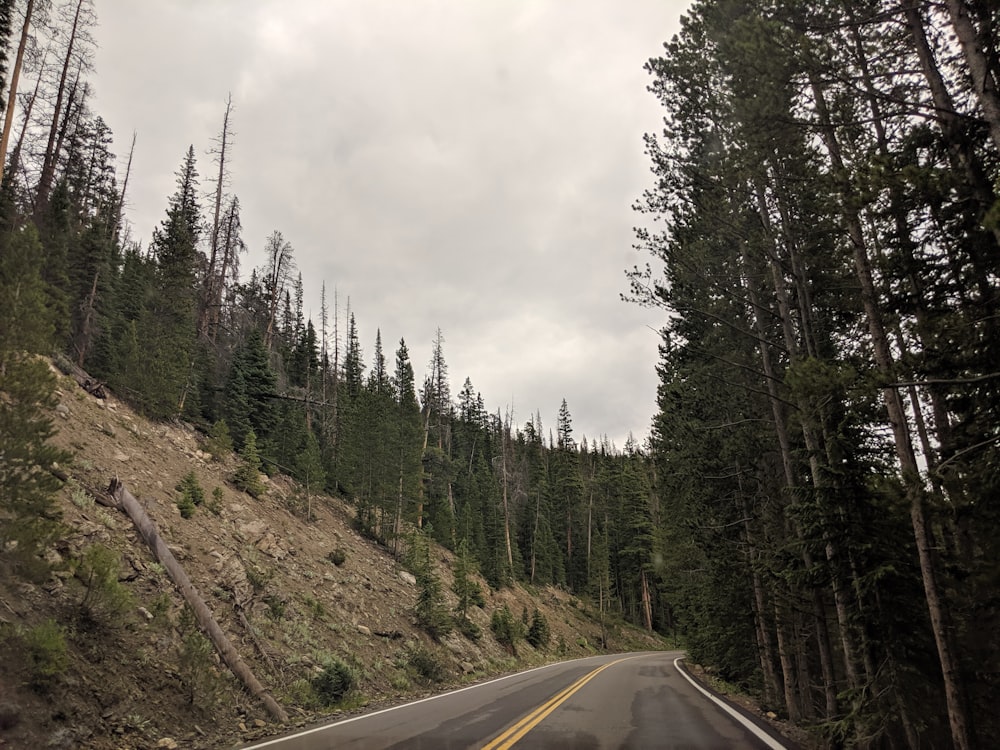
(137, 675)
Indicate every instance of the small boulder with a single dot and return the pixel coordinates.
(407, 577)
(169, 743)
(62, 410)
(364, 630)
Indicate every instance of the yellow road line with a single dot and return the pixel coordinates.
(529, 722)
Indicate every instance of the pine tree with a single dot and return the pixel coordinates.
(163, 377)
(310, 471)
(405, 438)
(466, 589)
(28, 514)
(247, 477)
(431, 610)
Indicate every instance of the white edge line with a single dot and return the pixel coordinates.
(757, 731)
(323, 727)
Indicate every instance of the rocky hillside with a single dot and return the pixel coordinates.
(101, 652)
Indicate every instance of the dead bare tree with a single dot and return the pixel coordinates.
(15, 75)
(119, 497)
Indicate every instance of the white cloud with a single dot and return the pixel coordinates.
(443, 163)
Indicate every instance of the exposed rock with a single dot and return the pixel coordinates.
(407, 577)
(108, 429)
(771, 715)
(259, 723)
(62, 737)
(364, 630)
(467, 668)
(454, 643)
(251, 529)
(271, 547)
(119, 456)
(62, 410)
(145, 613)
(167, 742)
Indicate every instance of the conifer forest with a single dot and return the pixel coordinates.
(816, 514)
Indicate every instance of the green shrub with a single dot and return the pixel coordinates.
(333, 683)
(506, 629)
(45, 645)
(220, 442)
(191, 494)
(468, 628)
(104, 597)
(338, 557)
(196, 664)
(425, 664)
(257, 573)
(215, 504)
(275, 607)
(539, 633)
(315, 606)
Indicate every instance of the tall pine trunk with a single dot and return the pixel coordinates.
(958, 715)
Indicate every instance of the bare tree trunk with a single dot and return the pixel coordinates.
(51, 155)
(772, 688)
(534, 536)
(961, 153)
(214, 281)
(86, 325)
(506, 507)
(8, 119)
(120, 213)
(791, 345)
(984, 85)
(647, 607)
(15, 157)
(787, 669)
(125, 501)
(958, 716)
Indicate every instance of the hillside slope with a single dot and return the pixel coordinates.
(135, 673)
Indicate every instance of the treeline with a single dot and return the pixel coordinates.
(177, 330)
(826, 447)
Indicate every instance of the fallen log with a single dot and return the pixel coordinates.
(126, 502)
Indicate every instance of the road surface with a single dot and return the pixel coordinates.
(621, 701)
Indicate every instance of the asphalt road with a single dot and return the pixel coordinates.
(623, 701)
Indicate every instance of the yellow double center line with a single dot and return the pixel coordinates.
(529, 722)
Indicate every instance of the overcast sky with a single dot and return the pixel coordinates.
(463, 164)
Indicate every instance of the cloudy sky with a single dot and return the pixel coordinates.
(468, 165)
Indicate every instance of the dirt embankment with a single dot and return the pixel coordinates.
(134, 671)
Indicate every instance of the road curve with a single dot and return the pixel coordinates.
(622, 701)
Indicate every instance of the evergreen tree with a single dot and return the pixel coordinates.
(162, 376)
(250, 389)
(466, 589)
(247, 477)
(405, 439)
(431, 610)
(29, 517)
